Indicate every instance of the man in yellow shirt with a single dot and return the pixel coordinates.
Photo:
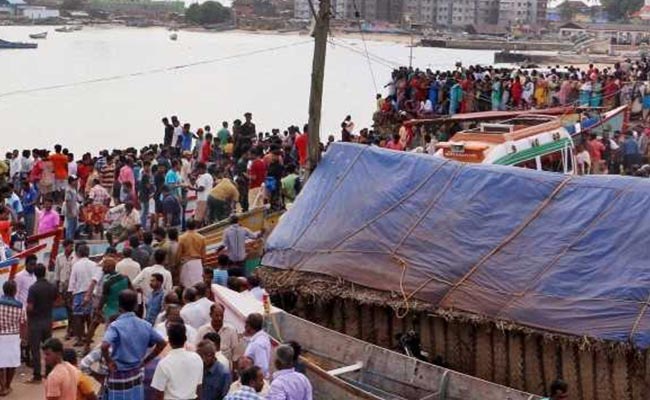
(221, 198)
(191, 253)
(85, 385)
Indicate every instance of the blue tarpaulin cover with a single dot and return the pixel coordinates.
(563, 254)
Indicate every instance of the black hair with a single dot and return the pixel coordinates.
(214, 338)
(249, 375)
(128, 300)
(159, 255)
(172, 233)
(559, 385)
(39, 271)
(54, 345)
(9, 288)
(157, 276)
(255, 321)
(69, 355)
(147, 238)
(176, 335)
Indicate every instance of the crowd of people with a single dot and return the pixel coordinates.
(163, 329)
(198, 174)
(415, 93)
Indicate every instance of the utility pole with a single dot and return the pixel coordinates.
(321, 29)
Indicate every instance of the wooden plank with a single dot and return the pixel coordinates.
(466, 345)
(367, 324)
(569, 369)
(351, 312)
(532, 365)
(516, 360)
(620, 377)
(381, 325)
(424, 325)
(603, 376)
(338, 323)
(586, 374)
(453, 338)
(550, 362)
(500, 353)
(397, 328)
(483, 355)
(637, 373)
(439, 339)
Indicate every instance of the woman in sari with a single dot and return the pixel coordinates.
(541, 91)
(585, 93)
(496, 94)
(611, 89)
(515, 91)
(596, 93)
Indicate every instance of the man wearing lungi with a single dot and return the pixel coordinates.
(191, 253)
(124, 347)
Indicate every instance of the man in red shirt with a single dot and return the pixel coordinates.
(60, 164)
(596, 149)
(301, 147)
(257, 174)
(206, 149)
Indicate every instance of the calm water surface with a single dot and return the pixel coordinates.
(105, 87)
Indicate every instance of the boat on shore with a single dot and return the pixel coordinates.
(17, 45)
(64, 29)
(41, 35)
(342, 367)
(173, 36)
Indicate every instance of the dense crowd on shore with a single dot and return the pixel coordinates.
(155, 290)
(416, 93)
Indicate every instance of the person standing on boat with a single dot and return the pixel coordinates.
(287, 383)
(191, 253)
(234, 243)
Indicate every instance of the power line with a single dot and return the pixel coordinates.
(150, 71)
(365, 45)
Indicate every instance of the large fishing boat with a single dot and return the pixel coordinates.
(531, 141)
(342, 367)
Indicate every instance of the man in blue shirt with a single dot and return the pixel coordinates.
(173, 179)
(216, 379)
(126, 342)
(186, 138)
(631, 153)
(155, 299)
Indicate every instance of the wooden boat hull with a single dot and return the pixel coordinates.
(384, 374)
(17, 45)
(42, 35)
(254, 220)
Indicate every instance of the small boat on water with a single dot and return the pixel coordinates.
(64, 29)
(77, 27)
(41, 35)
(342, 367)
(173, 36)
(17, 45)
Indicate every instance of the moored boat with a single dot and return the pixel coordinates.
(342, 367)
(531, 141)
(41, 35)
(173, 36)
(64, 29)
(17, 45)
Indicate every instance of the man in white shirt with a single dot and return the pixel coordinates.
(127, 266)
(230, 342)
(204, 184)
(141, 282)
(81, 277)
(25, 279)
(179, 375)
(259, 343)
(194, 312)
(62, 271)
(173, 316)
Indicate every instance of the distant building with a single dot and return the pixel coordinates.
(10, 7)
(138, 8)
(514, 12)
(38, 12)
(624, 34)
(644, 12)
(302, 9)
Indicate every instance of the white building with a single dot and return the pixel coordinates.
(38, 12)
(302, 10)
